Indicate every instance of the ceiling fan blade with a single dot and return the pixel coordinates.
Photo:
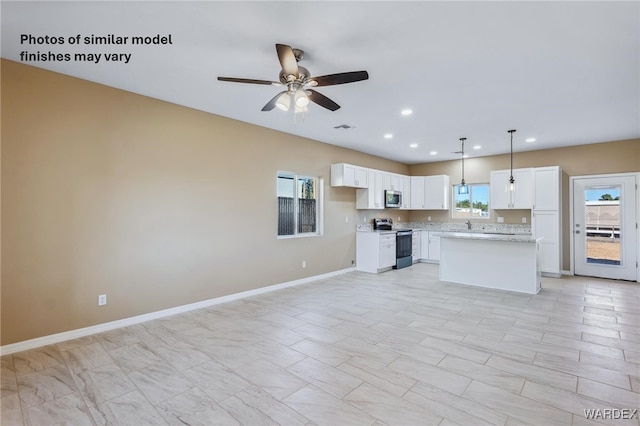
(322, 100)
(248, 80)
(272, 103)
(340, 78)
(287, 60)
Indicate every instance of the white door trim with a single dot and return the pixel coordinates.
(571, 219)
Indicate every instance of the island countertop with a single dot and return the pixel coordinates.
(518, 238)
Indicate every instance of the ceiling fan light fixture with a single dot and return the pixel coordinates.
(296, 79)
(284, 101)
(301, 99)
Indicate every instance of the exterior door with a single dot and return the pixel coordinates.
(604, 227)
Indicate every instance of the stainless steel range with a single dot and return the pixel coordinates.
(403, 241)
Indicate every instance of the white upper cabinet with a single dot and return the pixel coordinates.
(523, 195)
(546, 192)
(520, 198)
(400, 183)
(499, 186)
(373, 196)
(343, 174)
(417, 193)
(391, 181)
(436, 192)
(429, 192)
(406, 192)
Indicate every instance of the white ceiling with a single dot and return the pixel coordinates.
(565, 73)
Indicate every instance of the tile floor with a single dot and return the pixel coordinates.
(399, 348)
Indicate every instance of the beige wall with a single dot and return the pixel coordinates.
(158, 205)
(154, 204)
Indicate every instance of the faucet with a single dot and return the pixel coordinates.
(468, 222)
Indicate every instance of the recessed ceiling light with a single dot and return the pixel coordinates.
(477, 146)
(413, 145)
(388, 135)
(406, 111)
(530, 140)
(465, 156)
(433, 153)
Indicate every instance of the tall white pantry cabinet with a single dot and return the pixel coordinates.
(546, 217)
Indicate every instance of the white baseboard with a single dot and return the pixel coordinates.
(99, 328)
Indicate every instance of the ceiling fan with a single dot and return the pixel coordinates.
(299, 83)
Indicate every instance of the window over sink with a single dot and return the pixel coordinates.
(474, 204)
(299, 205)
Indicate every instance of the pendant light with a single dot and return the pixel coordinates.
(463, 188)
(512, 182)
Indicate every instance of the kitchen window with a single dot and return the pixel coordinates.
(299, 205)
(472, 205)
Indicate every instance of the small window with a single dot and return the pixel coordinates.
(472, 203)
(298, 205)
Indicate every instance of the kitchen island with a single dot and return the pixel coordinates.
(504, 262)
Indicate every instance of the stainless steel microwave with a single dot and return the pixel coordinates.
(392, 198)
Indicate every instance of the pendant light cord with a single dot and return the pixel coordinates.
(462, 140)
(511, 180)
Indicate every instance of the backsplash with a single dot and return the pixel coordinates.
(508, 228)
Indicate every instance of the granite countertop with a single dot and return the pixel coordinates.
(520, 238)
(459, 227)
(378, 231)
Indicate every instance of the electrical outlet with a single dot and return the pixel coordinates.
(102, 300)
(304, 263)
(428, 218)
(524, 220)
(346, 219)
(500, 219)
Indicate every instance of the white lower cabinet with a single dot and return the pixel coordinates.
(415, 246)
(546, 224)
(424, 245)
(434, 246)
(430, 246)
(375, 251)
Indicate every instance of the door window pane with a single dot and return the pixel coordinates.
(602, 224)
